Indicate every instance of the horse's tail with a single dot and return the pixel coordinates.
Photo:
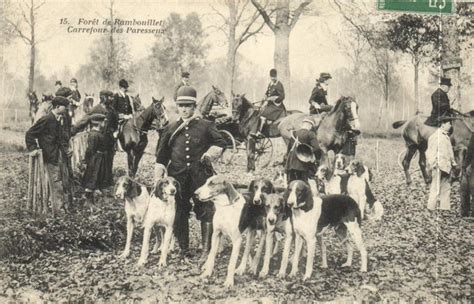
(398, 124)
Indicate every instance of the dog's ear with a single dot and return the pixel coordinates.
(177, 185)
(230, 191)
(251, 185)
(159, 189)
(308, 197)
(360, 169)
(371, 175)
(270, 186)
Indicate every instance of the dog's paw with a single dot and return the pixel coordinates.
(162, 264)
(324, 266)
(141, 262)
(306, 277)
(346, 264)
(363, 269)
(263, 273)
(292, 274)
(124, 255)
(281, 275)
(253, 269)
(229, 282)
(205, 274)
(240, 270)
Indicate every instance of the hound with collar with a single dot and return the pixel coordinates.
(277, 219)
(229, 205)
(313, 215)
(253, 217)
(147, 210)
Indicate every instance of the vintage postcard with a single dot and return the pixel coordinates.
(242, 151)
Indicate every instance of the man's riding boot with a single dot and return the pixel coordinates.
(206, 234)
(261, 124)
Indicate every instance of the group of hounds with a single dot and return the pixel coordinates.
(302, 211)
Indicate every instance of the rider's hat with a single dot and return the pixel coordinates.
(74, 80)
(123, 83)
(185, 74)
(64, 92)
(445, 81)
(58, 82)
(60, 101)
(186, 95)
(273, 73)
(324, 76)
(106, 93)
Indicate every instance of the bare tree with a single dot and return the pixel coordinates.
(239, 25)
(24, 27)
(282, 25)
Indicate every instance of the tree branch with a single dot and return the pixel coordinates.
(18, 31)
(264, 15)
(298, 12)
(241, 11)
(220, 15)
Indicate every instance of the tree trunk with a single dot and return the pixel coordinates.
(31, 77)
(281, 57)
(416, 66)
(231, 46)
(451, 61)
(111, 59)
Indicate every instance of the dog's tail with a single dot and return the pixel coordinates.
(398, 124)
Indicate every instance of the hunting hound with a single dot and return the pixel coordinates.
(146, 210)
(228, 219)
(313, 215)
(253, 217)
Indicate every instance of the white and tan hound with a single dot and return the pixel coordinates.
(313, 215)
(229, 205)
(146, 210)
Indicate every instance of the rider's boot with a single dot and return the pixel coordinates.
(260, 126)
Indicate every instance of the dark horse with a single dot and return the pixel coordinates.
(33, 102)
(246, 115)
(215, 96)
(415, 134)
(133, 136)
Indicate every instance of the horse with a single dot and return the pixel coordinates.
(246, 115)
(416, 134)
(84, 109)
(215, 96)
(133, 135)
(332, 128)
(33, 105)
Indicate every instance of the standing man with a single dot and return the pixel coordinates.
(303, 140)
(318, 102)
(184, 82)
(466, 188)
(273, 107)
(47, 131)
(184, 149)
(440, 159)
(75, 97)
(441, 106)
(57, 85)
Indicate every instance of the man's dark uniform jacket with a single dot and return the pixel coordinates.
(122, 104)
(275, 109)
(180, 148)
(440, 107)
(304, 170)
(319, 96)
(48, 132)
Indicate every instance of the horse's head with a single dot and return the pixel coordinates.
(348, 111)
(238, 106)
(159, 112)
(137, 99)
(32, 98)
(219, 97)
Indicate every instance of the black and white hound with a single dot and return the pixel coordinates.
(253, 217)
(313, 215)
(146, 210)
(229, 204)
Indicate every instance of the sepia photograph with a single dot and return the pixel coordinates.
(236, 151)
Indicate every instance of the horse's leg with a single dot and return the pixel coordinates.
(250, 154)
(422, 163)
(130, 158)
(139, 150)
(406, 162)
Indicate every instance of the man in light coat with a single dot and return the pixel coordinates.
(440, 158)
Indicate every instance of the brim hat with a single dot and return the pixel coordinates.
(273, 73)
(64, 92)
(58, 82)
(123, 83)
(324, 77)
(105, 93)
(97, 118)
(60, 101)
(185, 74)
(305, 153)
(445, 81)
(309, 121)
(74, 80)
(186, 95)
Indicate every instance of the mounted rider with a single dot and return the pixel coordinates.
(184, 82)
(318, 102)
(272, 107)
(122, 104)
(75, 97)
(441, 105)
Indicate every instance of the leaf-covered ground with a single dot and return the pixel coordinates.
(414, 254)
